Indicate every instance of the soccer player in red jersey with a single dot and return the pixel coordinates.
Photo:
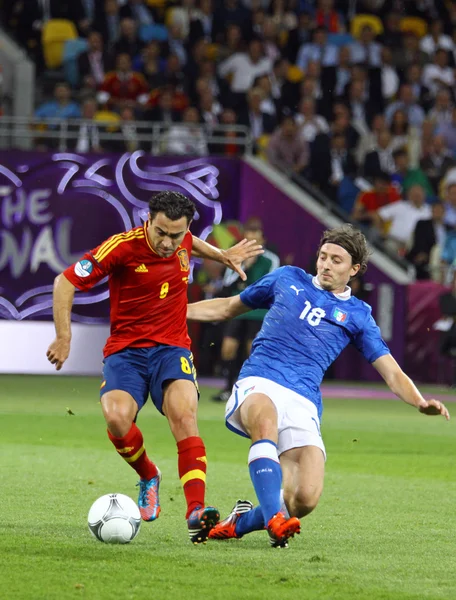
(148, 351)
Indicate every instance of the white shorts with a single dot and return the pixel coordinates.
(297, 417)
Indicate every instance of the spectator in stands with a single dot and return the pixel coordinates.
(175, 43)
(410, 52)
(129, 130)
(428, 241)
(402, 217)
(88, 133)
(287, 149)
(450, 205)
(187, 138)
(299, 35)
(201, 24)
(94, 61)
(269, 104)
(448, 131)
(389, 76)
(405, 177)
(366, 50)
(342, 125)
(233, 145)
(149, 64)
(326, 16)
(436, 39)
(123, 87)
(442, 111)
(244, 68)
(309, 123)
(368, 139)
(210, 110)
(109, 24)
(421, 94)
(438, 73)
(233, 42)
(227, 12)
(318, 50)
(128, 42)
(369, 202)
(437, 162)
(336, 78)
(260, 123)
(160, 108)
(407, 103)
(380, 159)
(332, 164)
(62, 107)
(137, 10)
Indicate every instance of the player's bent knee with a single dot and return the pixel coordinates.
(304, 502)
(119, 410)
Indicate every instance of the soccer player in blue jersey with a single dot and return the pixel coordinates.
(277, 400)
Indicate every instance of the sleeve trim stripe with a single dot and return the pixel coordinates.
(109, 246)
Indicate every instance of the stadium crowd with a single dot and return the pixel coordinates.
(355, 96)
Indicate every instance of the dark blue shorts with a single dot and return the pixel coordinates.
(144, 371)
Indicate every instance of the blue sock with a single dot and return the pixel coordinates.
(250, 521)
(266, 476)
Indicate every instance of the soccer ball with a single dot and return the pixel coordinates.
(114, 519)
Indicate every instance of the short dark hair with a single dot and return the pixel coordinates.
(174, 205)
(350, 239)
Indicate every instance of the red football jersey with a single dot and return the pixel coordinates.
(148, 293)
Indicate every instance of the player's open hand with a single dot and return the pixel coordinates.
(58, 352)
(239, 253)
(434, 407)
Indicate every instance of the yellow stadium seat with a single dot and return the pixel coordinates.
(262, 144)
(294, 74)
(359, 21)
(111, 119)
(415, 24)
(55, 33)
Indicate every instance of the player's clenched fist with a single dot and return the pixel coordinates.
(58, 352)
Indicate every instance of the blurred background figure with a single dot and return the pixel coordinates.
(238, 334)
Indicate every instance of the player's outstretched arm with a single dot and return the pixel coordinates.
(232, 258)
(63, 296)
(401, 385)
(217, 309)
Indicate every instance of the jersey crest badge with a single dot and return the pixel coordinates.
(183, 259)
(339, 315)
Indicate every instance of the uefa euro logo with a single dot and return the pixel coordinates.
(55, 207)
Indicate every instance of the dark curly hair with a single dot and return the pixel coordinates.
(350, 239)
(174, 205)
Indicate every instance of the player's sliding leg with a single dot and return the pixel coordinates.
(303, 475)
(120, 409)
(180, 407)
(258, 417)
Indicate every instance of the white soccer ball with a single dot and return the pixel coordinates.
(114, 519)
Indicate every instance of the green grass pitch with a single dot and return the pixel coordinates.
(384, 530)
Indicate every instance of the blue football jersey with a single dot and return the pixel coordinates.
(305, 330)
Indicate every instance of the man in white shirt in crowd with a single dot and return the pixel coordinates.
(308, 121)
(245, 67)
(187, 138)
(438, 74)
(403, 217)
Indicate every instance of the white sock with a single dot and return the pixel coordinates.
(283, 506)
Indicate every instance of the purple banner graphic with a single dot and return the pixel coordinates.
(55, 207)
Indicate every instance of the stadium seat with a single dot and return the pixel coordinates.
(108, 118)
(359, 21)
(55, 33)
(147, 33)
(262, 144)
(71, 51)
(414, 24)
(340, 39)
